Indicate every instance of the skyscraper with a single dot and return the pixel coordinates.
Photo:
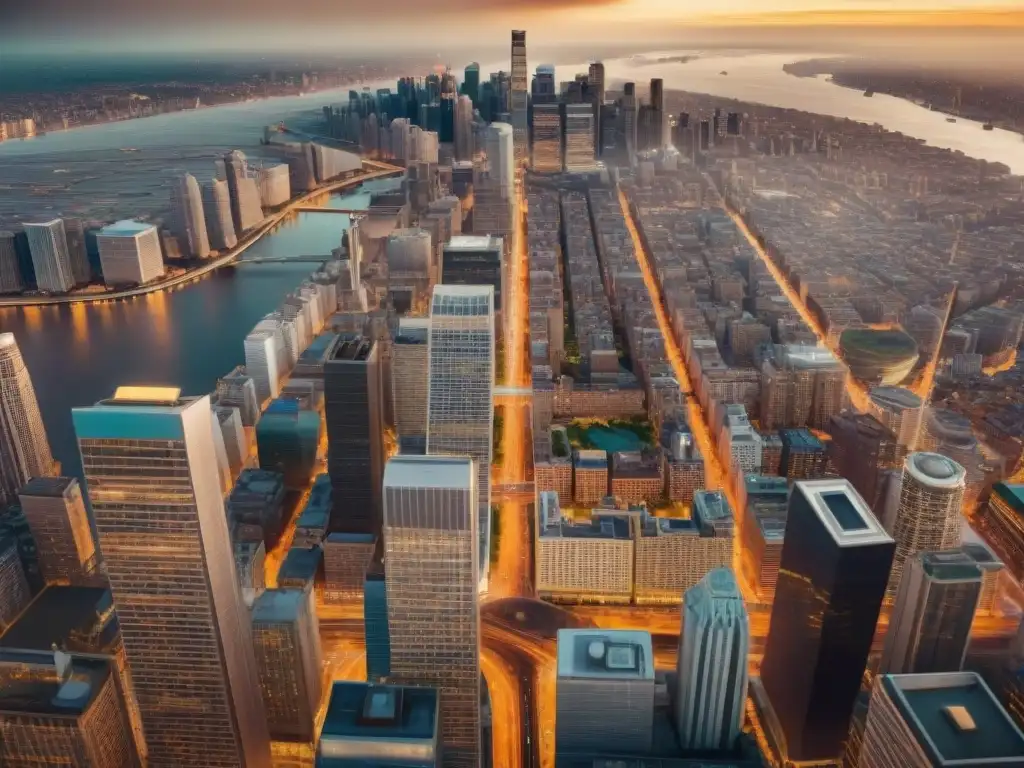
(579, 137)
(604, 692)
(474, 260)
(246, 212)
(130, 253)
(410, 364)
(286, 638)
(220, 227)
(547, 138)
(712, 664)
(463, 128)
(471, 83)
(14, 591)
(188, 222)
(862, 450)
(48, 244)
(24, 449)
(375, 624)
(501, 158)
(431, 552)
(56, 515)
(151, 473)
(832, 578)
(519, 97)
(460, 387)
(629, 117)
(900, 410)
(925, 721)
(11, 280)
(74, 230)
(354, 412)
(929, 512)
(931, 621)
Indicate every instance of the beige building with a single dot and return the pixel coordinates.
(584, 562)
(636, 477)
(673, 555)
(590, 477)
(930, 509)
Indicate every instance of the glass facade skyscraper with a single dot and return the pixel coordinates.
(832, 578)
(519, 96)
(151, 473)
(375, 624)
(431, 555)
(460, 387)
(24, 448)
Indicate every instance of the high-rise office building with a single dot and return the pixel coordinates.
(499, 144)
(900, 410)
(604, 692)
(862, 450)
(48, 244)
(286, 639)
(24, 448)
(596, 80)
(274, 184)
(14, 590)
(471, 83)
(375, 624)
(946, 719)
(711, 668)
(579, 137)
(547, 138)
(928, 516)
(629, 117)
(463, 128)
(58, 709)
(930, 623)
(801, 386)
(658, 94)
(130, 253)
(11, 279)
(246, 212)
(237, 390)
(410, 365)
(832, 578)
(354, 412)
(188, 221)
(432, 561)
(460, 387)
(74, 230)
(55, 511)
(261, 355)
(519, 96)
(474, 260)
(220, 227)
(186, 634)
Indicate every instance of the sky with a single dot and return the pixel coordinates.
(283, 25)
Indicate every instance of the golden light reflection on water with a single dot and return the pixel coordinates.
(33, 318)
(156, 308)
(80, 326)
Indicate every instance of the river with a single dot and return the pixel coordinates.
(190, 336)
(187, 338)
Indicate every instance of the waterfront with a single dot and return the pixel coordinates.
(187, 338)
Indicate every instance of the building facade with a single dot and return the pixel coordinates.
(835, 564)
(354, 413)
(431, 551)
(48, 245)
(55, 511)
(130, 253)
(460, 388)
(711, 669)
(188, 221)
(199, 698)
(24, 447)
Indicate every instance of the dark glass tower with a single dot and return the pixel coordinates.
(354, 409)
(832, 578)
(375, 623)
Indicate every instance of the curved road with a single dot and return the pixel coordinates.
(382, 170)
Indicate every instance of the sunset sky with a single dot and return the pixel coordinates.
(330, 24)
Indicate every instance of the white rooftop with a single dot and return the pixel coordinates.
(429, 472)
(845, 515)
(604, 654)
(472, 243)
(126, 228)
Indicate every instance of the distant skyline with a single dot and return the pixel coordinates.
(339, 26)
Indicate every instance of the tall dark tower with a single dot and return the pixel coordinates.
(354, 410)
(658, 94)
(832, 579)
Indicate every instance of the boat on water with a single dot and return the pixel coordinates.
(723, 72)
(869, 94)
(950, 119)
(988, 127)
(129, 149)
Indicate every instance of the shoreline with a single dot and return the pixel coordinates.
(197, 273)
